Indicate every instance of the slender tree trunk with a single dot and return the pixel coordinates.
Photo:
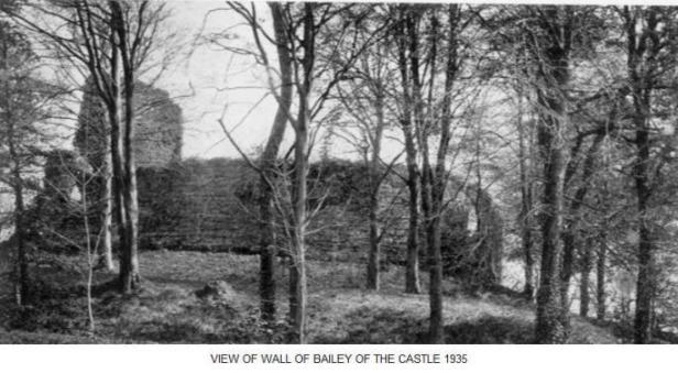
(584, 284)
(117, 182)
(298, 273)
(439, 182)
(299, 187)
(549, 324)
(106, 202)
(524, 217)
(375, 247)
(571, 236)
(432, 225)
(21, 279)
(90, 256)
(94, 141)
(129, 272)
(412, 284)
(528, 290)
(292, 291)
(412, 265)
(640, 62)
(600, 278)
(550, 327)
(268, 252)
(645, 288)
(129, 258)
(434, 182)
(436, 332)
(552, 52)
(114, 106)
(570, 243)
(127, 209)
(429, 191)
(268, 158)
(298, 286)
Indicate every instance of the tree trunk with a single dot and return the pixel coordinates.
(645, 287)
(431, 211)
(428, 193)
(436, 331)
(571, 237)
(434, 183)
(292, 292)
(570, 243)
(298, 269)
(374, 255)
(114, 106)
(129, 259)
(524, 217)
(118, 186)
(129, 272)
(300, 288)
(267, 252)
(439, 180)
(600, 278)
(375, 177)
(105, 245)
(412, 265)
(21, 279)
(549, 326)
(640, 64)
(267, 224)
(299, 186)
(584, 283)
(20, 270)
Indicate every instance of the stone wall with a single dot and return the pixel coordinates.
(192, 204)
(209, 205)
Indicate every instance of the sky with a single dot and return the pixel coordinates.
(210, 82)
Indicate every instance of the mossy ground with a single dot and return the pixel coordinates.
(167, 310)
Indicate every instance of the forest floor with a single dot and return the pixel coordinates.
(175, 306)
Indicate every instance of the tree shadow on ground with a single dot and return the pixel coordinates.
(366, 325)
(388, 326)
(490, 330)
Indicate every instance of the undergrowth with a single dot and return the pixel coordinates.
(212, 298)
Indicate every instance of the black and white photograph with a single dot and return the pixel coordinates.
(338, 173)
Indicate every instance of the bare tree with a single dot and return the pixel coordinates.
(412, 264)
(92, 139)
(650, 45)
(366, 97)
(108, 42)
(552, 54)
(306, 28)
(14, 52)
(526, 164)
(428, 116)
(27, 106)
(267, 164)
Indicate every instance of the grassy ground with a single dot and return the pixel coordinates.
(169, 310)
